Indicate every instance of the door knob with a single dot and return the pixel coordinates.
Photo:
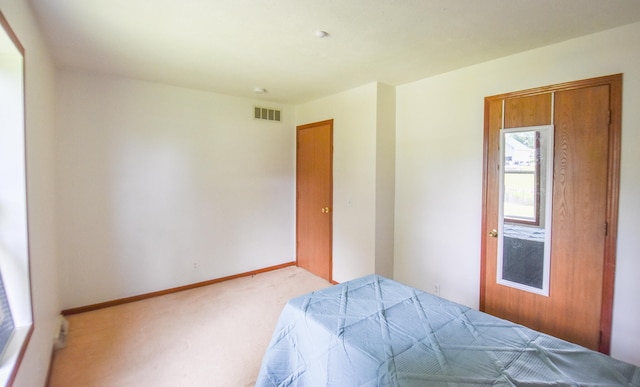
(493, 233)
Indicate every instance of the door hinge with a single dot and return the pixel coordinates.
(606, 228)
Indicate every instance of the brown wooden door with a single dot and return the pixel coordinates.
(314, 207)
(584, 213)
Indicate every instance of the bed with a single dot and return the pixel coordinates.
(373, 331)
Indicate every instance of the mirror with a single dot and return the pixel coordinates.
(524, 248)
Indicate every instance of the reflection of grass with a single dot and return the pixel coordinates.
(531, 168)
(519, 195)
(518, 211)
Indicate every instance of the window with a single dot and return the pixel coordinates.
(6, 319)
(522, 177)
(16, 321)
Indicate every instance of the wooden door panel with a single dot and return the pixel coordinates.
(581, 207)
(579, 211)
(493, 118)
(531, 110)
(314, 198)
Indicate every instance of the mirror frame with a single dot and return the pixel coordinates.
(546, 146)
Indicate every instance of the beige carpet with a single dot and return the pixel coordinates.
(210, 336)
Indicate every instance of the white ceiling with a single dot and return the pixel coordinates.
(233, 46)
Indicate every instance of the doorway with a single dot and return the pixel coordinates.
(562, 225)
(314, 193)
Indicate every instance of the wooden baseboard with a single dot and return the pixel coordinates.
(121, 301)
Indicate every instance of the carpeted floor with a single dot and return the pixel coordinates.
(210, 336)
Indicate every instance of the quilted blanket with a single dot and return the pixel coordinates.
(374, 331)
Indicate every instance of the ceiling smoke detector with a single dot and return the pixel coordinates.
(321, 34)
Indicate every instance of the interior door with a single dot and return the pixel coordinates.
(314, 198)
(581, 210)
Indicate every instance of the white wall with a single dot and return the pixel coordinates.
(354, 148)
(439, 168)
(358, 124)
(154, 179)
(39, 104)
(385, 178)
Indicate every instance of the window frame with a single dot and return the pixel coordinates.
(16, 348)
(536, 177)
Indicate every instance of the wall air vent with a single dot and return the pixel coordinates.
(263, 113)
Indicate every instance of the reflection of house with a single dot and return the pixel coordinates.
(515, 152)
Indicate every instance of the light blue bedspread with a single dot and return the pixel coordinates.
(376, 332)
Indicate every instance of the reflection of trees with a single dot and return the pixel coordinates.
(525, 138)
